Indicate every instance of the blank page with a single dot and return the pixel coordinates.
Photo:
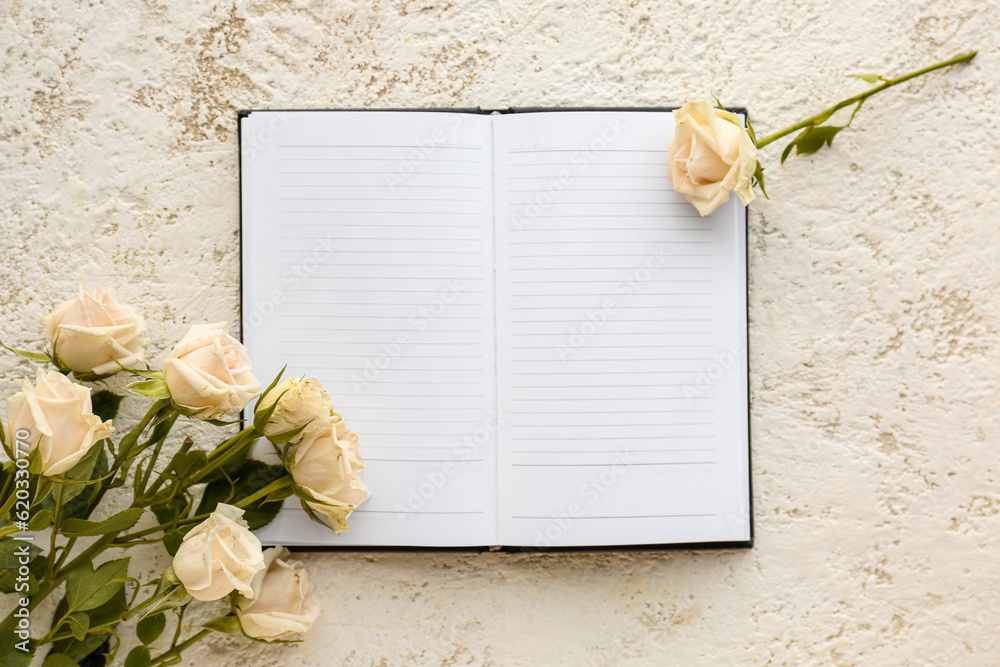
(621, 339)
(368, 263)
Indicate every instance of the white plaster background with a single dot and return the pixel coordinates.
(875, 275)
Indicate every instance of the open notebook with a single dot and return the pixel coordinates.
(539, 343)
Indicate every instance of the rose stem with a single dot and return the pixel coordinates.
(889, 83)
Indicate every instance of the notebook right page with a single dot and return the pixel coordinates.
(621, 339)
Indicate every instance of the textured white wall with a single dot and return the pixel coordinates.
(875, 272)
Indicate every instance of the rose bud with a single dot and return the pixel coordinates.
(301, 403)
(710, 155)
(283, 604)
(218, 556)
(58, 418)
(93, 333)
(326, 467)
(208, 372)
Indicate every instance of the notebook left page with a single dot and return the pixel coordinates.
(368, 264)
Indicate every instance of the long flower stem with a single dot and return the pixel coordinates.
(167, 656)
(50, 562)
(124, 448)
(226, 451)
(889, 83)
(276, 485)
(125, 540)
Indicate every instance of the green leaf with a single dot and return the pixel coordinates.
(753, 135)
(227, 624)
(814, 137)
(9, 575)
(870, 78)
(151, 627)
(115, 524)
(111, 612)
(105, 404)
(285, 436)
(88, 589)
(35, 462)
(150, 388)
(77, 504)
(261, 418)
(76, 479)
(40, 521)
(138, 657)
(78, 623)
(12, 656)
(11, 552)
(758, 179)
(40, 357)
(185, 463)
(103, 620)
(59, 660)
(42, 487)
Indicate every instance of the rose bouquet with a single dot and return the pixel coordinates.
(64, 454)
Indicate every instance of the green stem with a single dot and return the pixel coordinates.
(121, 541)
(218, 457)
(152, 461)
(889, 83)
(124, 448)
(180, 626)
(124, 540)
(51, 561)
(175, 652)
(276, 485)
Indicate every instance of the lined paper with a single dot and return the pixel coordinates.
(616, 303)
(368, 263)
(537, 341)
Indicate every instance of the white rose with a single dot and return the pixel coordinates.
(283, 604)
(93, 331)
(326, 467)
(710, 155)
(301, 402)
(58, 418)
(218, 556)
(208, 372)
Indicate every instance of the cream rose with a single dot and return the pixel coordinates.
(57, 417)
(218, 556)
(283, 604)
(301, 402)
(710, 155)
(326, 467)
(208, 372)
(93, 331)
